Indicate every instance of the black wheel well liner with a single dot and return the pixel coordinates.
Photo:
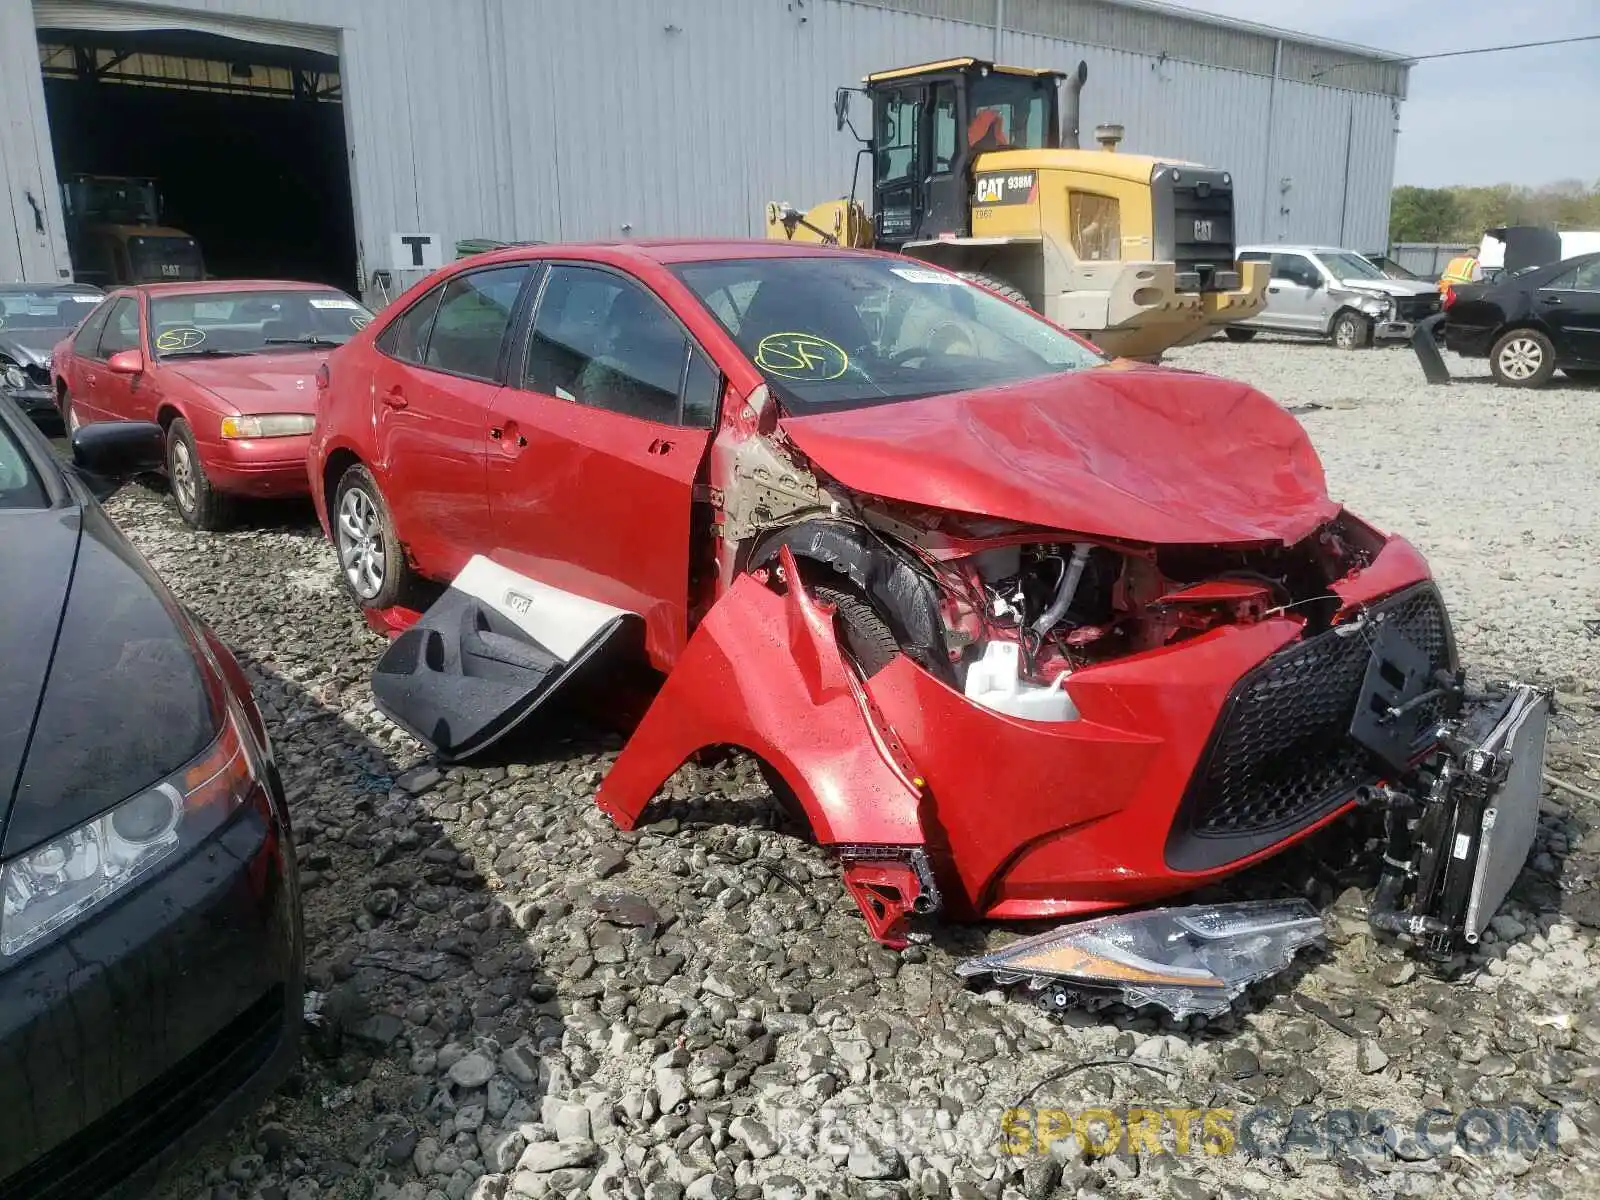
(903, 595)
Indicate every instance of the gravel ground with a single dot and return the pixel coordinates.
(518, 1000)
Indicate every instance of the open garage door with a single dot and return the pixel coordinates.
(216, 147)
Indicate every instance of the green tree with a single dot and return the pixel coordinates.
(1423, 215)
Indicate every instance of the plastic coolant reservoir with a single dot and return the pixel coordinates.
(995, 681)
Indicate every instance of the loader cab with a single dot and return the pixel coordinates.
(929, 123)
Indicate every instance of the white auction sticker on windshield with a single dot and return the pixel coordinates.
(88, 299)
(923, 275)
(322, 302)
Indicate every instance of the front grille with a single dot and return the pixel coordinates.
(1416, 308)
(1281, 756)
(1203, 225)
(102, 1156)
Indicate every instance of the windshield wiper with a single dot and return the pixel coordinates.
(309, 340)
(204, 353)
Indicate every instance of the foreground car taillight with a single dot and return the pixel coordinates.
(54, 884)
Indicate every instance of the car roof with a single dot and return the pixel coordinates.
(1279, 248)
(208, 287)
(666, 251)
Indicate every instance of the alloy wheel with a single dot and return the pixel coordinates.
(1521, 358)
(182, 472)
(361, 545)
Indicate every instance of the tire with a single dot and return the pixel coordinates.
(1351, 331)
(1522, 358)
(867, 637)
(1234, 334)
(997, 286)
(371, 562)
(199, 504)
(68, 420)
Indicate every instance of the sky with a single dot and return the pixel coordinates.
(1523, 116)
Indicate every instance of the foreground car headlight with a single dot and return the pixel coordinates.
(1187, 960)
(13, 378)
(54, 884)
(269, 425)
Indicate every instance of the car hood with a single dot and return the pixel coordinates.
(1390, 287)
(1145, 455)
(30, 347)
(101, 694)
(279, 382)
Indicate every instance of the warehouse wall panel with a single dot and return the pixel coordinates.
(616, 118)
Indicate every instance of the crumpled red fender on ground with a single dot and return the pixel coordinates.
(764, 672)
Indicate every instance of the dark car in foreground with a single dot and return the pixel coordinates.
(33, 318)
(150, 939)
(1532, 323)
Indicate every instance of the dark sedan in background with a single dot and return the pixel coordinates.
(150, 939)
(33, 318)
(1532, 323)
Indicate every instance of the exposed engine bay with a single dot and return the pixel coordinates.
(1019, 613)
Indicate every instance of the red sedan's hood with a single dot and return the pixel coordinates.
(1144, 455)
(277, 382)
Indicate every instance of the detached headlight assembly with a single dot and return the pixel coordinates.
(53, 885)
(268, 426)
(11, 375)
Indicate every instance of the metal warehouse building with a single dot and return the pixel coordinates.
(314, 137)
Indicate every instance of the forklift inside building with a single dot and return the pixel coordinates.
(186, 155)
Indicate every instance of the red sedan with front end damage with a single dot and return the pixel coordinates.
(227, 368)
(1023, 632)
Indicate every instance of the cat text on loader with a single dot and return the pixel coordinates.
(976, 168)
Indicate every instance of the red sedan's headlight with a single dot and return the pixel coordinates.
(56, 883)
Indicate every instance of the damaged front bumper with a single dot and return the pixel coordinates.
(1460, 824)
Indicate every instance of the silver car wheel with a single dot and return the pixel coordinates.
(1521, 358)
(182, 472)
(361, 544)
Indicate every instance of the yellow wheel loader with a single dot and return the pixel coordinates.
(977, 168)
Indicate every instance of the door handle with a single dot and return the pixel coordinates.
(1273, 290)
(498, 433)
(658, 446)
(395, 398)
(1550, 300)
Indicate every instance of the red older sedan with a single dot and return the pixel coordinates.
(1021, 631)
(227, 368)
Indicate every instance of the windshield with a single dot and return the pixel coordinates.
(20, 485)
(834, 332)
(28, 308)
(1015, 106)
(220, 323)
(1342, 264)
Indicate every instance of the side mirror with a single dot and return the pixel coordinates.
(126, 362)
(841, 108)
(116, 450)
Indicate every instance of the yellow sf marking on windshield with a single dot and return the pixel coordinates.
(180, 339)
(801, 356)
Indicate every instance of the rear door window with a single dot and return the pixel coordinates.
(604, 341)
(473, 319)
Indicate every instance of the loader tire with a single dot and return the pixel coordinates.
(997, 286)
(1234, 334)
